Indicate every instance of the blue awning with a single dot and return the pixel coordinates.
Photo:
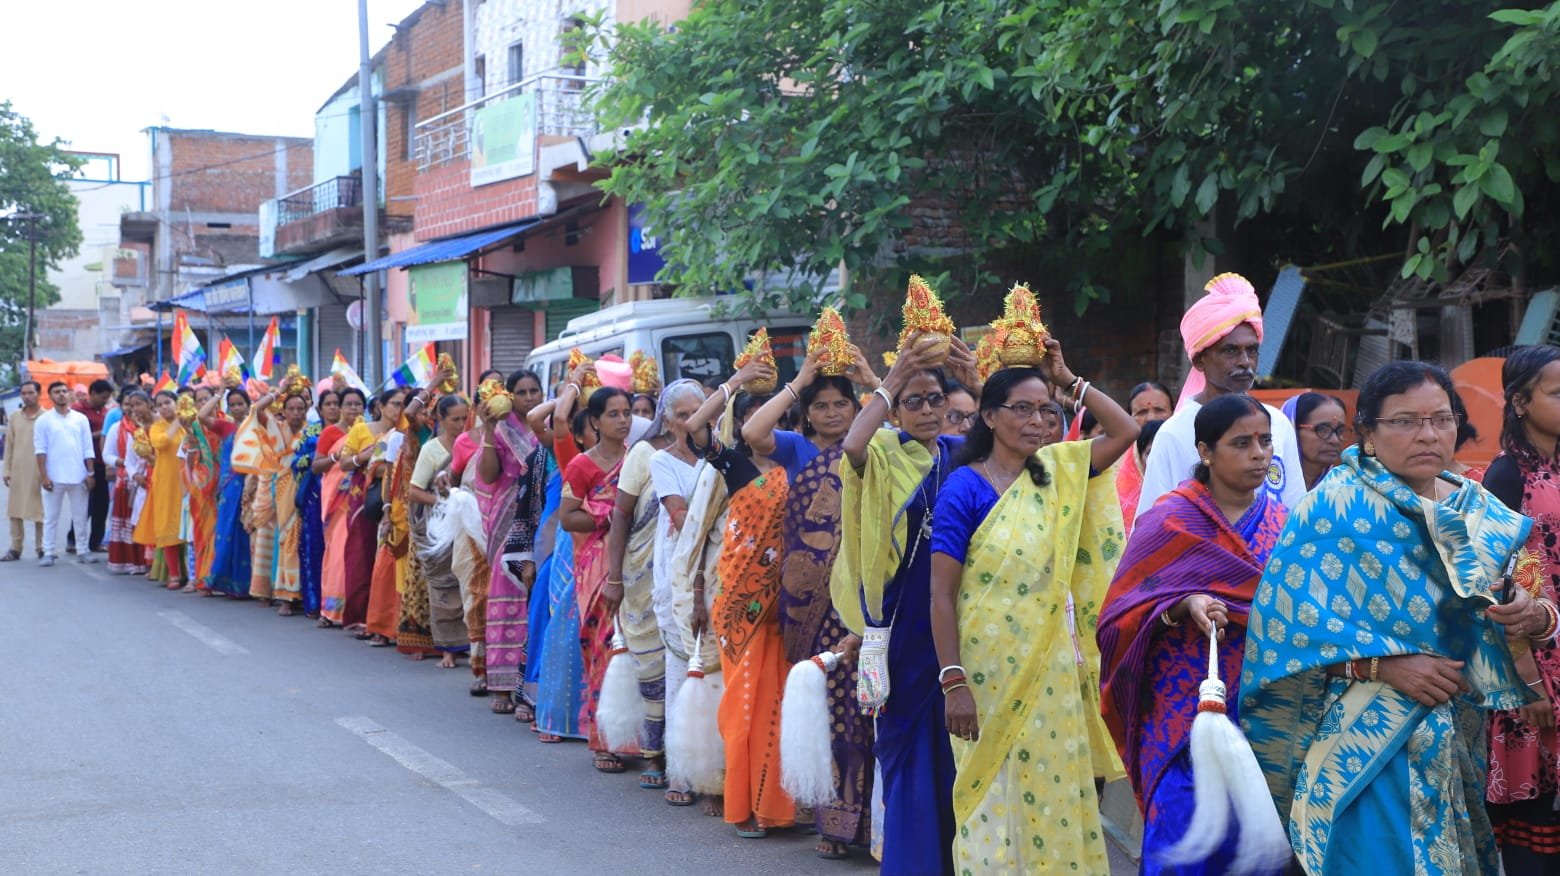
(445, 250)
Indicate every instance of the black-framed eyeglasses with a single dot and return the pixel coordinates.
(959, 418)
(1327, 431)
(916, 402)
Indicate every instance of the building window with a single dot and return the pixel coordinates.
(571, 47)
(409, 111)
(479, 70)
(516, 63)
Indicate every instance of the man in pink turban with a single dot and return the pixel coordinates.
(1223, 334)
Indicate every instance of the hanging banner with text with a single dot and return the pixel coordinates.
(503, 140)
(438, 303)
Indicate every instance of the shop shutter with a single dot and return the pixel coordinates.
(510, 334)
(333, 331)
(560, 312)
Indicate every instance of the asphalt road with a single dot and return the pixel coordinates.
(143, 731)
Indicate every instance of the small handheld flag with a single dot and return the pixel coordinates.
(415, 371)
(341, 366)
(165, 383)
(187, 352)
(268, 356)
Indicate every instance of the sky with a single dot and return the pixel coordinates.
(98, 72)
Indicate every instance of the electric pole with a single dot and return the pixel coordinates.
(369, 118)
(31, 219)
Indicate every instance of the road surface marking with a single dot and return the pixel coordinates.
(441, 772)
(213, 639)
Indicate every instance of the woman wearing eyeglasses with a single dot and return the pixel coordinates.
(1378, 641)
(1025, 544)
(1323, 431)
(961, 411)
(882, 589)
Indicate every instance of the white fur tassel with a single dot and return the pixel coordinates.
(1225, 772)
(455, 515)
(620, 715)
(806, 750)
(695, 753)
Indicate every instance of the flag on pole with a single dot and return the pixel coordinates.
(165, 383)
(267, 357)
(340, 366)
(187, 353)
(229, 357)
(414, 371)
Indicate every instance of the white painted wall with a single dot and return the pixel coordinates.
(536, 23)
(101, 203)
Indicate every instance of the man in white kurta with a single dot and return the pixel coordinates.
(66, 454)
(1223, 334)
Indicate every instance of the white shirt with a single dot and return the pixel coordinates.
(1174, 455)
(67, 440)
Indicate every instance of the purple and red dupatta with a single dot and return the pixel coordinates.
(1150, 672)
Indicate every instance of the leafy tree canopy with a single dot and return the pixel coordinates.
(32, 181)
(791, 136)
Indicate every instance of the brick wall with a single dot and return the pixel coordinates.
(216, 172)
(422, 75)
(447, 204)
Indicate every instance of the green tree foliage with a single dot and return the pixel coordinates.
(32, 175)
(792, 135)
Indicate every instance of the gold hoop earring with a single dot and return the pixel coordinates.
(1370, 449)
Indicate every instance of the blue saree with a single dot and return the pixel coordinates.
(1368, 779)
(311, 534)
(230, 561)
(561, 685)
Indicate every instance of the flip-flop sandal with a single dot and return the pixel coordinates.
(380, 643)
(653, 780)
(10, 557)
(548, 738)
(478, 688)
(688, 798)
(608, 763)
(832, 855)
(524, 713)
(502, 706)
(755, 833)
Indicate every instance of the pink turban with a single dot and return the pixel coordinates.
(614, 372)
(1231, 301)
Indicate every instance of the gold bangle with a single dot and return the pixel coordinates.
(1164, 616)
(1375, 664)
(953, 687)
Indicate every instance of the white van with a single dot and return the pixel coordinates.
(689, 337)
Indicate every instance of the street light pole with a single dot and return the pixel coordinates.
(32, 279)
(368, 119)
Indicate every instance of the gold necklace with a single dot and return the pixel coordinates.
(985, 464)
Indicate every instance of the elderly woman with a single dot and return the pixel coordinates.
(1148, 403)
(1023, 549)
(1322, 430)
(1193, 565)
(1377, 640)
(632, 552)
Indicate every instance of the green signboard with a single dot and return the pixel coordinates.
(503, 139)
(438, 303)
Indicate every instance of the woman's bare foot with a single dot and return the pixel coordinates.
(832, 850)
(715, 806)
(286, 610)
(416, 655)
(447, 661)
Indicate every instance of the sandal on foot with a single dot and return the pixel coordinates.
(478, 688)
(503, 706)
(549, 738)
(680, 798)
(10, 557)
(524, 713)
(379, 642)
(653, 780)
(829, 850)
(750, 829)
(325, 623)
(715, 806)
(607, 762)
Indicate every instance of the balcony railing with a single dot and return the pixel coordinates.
(560, 111)
(330, 194)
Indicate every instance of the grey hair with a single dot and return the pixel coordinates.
(674, 392)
